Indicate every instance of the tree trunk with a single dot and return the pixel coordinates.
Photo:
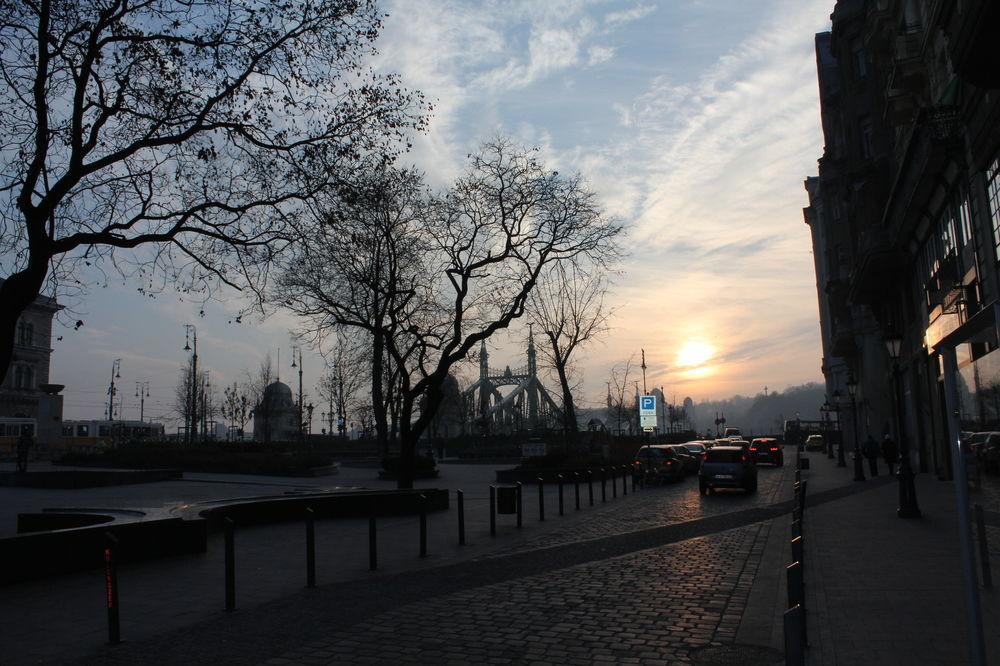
(569, 410)
(378, 394)
(16, 293)
(410, 432)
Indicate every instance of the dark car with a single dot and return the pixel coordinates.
(767, 449)
(697, 449)
(658, 463)
(689, 461)
(727, 467)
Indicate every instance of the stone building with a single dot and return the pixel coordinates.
(275, 419)
(25, 392)
(905, 215)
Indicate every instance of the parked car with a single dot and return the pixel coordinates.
(727, 467)
(767, 449)
(989, 453)
(689, 462)
(658, 463)
(697, 449)
(815, 443)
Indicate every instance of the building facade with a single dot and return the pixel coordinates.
(905, 215)
(25, 392)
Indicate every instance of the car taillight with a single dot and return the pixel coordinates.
(753, 449)
(745, 459)
(668, 462)
(774, 448)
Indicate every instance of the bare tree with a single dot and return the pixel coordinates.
(568, 306)
(617, 392)
(186, 403)
(178, 141)
(341, 382)
(235, 406)
(255, 385)
(472, 255)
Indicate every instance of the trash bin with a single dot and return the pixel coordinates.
(506, 499)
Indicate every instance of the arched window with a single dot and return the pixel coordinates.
(25, 333)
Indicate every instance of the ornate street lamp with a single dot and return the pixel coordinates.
(908, 507)
(840, 433)
(852, 388)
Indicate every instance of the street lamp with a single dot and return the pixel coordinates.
(191, 334)
(907, 490)
(852, 388)
(829, 433)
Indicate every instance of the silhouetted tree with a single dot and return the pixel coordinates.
(177, 141)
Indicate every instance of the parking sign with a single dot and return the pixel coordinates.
(647, 411)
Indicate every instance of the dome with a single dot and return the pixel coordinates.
(277, 395)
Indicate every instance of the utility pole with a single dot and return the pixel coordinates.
(643, 366)
(191, 335)
(302, 437)
(142, 392)
(112, 391)
(205, 388)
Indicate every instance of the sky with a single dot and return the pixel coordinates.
(695, 121)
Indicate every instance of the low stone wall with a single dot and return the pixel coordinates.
(86, 478)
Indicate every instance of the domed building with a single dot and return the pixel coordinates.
(275, 419)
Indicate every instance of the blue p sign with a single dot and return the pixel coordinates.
(648, 402)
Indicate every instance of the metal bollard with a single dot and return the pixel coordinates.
(230, 564)
(797, 555)
(520, 506)
(797, 514)
(802, 496)
(614, 484)
(460, 498)
(794, 625)
(635, 482)
(624, 481)
(590, 485)
(493, 510)
(798, 476)
(422, 499)
(560, 478)
(111, 588)
(372, 542)
(541, 499)
(576, 489)
(984, 551)
(796, 528)
(604, 489)
(795, 582)
(310, 548)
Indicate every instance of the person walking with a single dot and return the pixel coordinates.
(890, 452)
(869, 449)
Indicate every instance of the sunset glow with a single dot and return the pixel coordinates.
(694, 354)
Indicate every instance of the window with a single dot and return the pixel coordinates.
(25, 333)
(867, 139)
(993, 199)
(103, 431)
(83, 431)
(965, 214)
(860, 60)
(24, 376)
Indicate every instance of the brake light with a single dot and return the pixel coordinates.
(774, 448)
(668, 462)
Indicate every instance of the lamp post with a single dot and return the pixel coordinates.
(852, 388)
(830, 430)
(301, 413)
(191, 334)
(908, 507)
(116, 366)
(142, 392)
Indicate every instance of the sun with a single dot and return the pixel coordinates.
(694, 353)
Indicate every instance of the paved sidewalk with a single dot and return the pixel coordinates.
(883, 590)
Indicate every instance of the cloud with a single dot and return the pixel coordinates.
(629, 15)
(598, 54)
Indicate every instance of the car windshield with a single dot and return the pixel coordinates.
(721, 456)
(696, 448)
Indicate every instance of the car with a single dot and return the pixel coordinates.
(767, 449)
(689, 462)
(658, 463)
(697, 449)
(815, 443)
(727, 467)
(733, 432)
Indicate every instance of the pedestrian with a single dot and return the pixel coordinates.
(869, 449)
(23, 447)
(890, 452)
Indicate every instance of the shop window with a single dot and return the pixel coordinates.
(993, 199)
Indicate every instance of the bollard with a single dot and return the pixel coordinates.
(796, 514)
(310, 548)
(795, 582)
(460, 498)
(541, 499)
(635, 481)
(230, 564)
(493, 510)
(802, 496)
(624, 481)
(614, 484)
(422, 500)
(372, 543)
(797, 551)
(794, 625)
(590, 485)
(798, 476)
(796, 528)
(111, 588)
(560, 477)
(576, 489)
(984, 551)
(520, 493)
(604, 489)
